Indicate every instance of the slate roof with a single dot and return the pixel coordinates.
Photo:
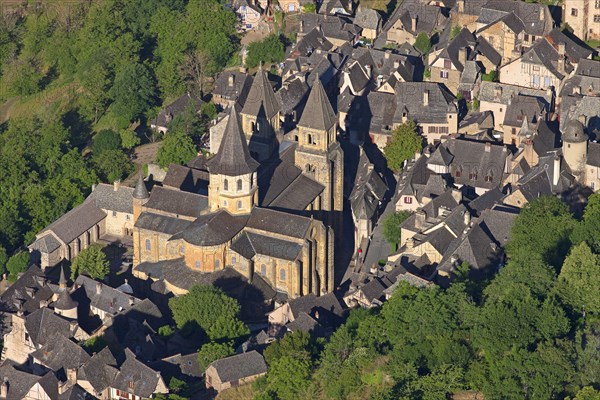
(213, 229)
(574, 107)
(180, 364)
(586, 80)
(313, 40)
(99, 370)
(107, 198)
(373, 290)
(300, 193)
(75, 392)
(292, 95)
(161, 223)
(318, 113)
(176, 202)
(140, 191)
(261, 100)
(144, 378)
(28, 291)
(77, 221)
(574, 132)
(263, 219)
(107, 299)
(419, 181)
(306, 304)
(43, 324)
(240, 366)
(277, 173)
(249, 244)
(238, 91)
(61, 353)
(524, 108)
(65, 302)
(46, 244)
(518, 15)
(369, 188)
(233, 157)
(187, 179)
(487, 92)
(429, 17)
(464, 40)
(367, 18)
(303, 323)
(20, 382)
(593, 154)
(177, 107)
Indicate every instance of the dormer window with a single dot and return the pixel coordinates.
(130, 384)
(473, 175)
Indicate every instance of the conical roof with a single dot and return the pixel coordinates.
(261, 101)
(62, 281)
(233, 157)
(574, 132)
(140, 191)
(318, 113)
(65, 302)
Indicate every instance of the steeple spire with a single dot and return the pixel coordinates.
(261, 101)
(62, 281)
(233, 157)
(140, 191)
(318, 113)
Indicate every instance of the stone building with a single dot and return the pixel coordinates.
(584, 17)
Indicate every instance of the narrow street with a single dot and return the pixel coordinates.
(379, 248)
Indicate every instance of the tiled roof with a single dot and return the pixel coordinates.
(240, 366)
(213, 229)
(107, 198)
(261, 100)
(318, 113)
(161, 223)
(134, 373)
(77, 221)
(61, 353)
(176, 202)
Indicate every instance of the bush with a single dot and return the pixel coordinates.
(391, 226)
(310, 8)
(18, 263)
(268, 50)
(493, 76)
(177, 148)
(165, 331)
(423, 43)
(106, 140)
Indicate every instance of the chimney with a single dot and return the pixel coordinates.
(426, 97)
(116, 185)
(93, 187)
(131, 300)
(387, 54)
(369, 71)
(373, 269)
(420, 216)
(488, 147)
(577, 90)
(467, 217)
(98, 287)
(460, 4)
(462, 56)
(4, 388)
(243, 70)
(556, 171)
(561, 57)
(71, 376)
(413, 21)
(231, 80)
(542, 14)
(498, 92)
(396, 64)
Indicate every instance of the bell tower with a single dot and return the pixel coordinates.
(232, 183)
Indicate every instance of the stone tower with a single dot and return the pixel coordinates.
(261, 115)
(140, 197)
(232, 184)
(65, 305)
(575, 142)
(319, 154)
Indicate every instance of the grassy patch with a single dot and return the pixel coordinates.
(593, 43)
(244, 392)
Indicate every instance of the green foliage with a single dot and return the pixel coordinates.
(403, 146)
(310, 8)
(391, 226)
(3, 260)
(288, 377)
(298, 344)
(492, 76)
(587, 393)
(267, 50)
(165, 331)
(212, 310)
(113, 165)
(588, 229)
(578, 280)
(213, 351)
(423, 43)
(95, 344)
(91, 261)
(543, 227)
(106, 140)
(177, 148)
(129, 139)
(455, 31)
(133, 91)
(18, 263)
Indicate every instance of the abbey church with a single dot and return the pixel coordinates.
(266, 205)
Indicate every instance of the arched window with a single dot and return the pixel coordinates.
(282, 274)
(225, 184)
(239, 205)
(217, 264)
(233, 260)
(197, 264)
(296, 138)
(182, 249)
(263, 270)
(148, 244)
(239, 185)
(224, 203)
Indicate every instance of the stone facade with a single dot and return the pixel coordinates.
(584, 17)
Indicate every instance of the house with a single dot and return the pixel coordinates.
(463, 61)
(411, 18)
(583, 16)
(231, 87)
(477, 124)
(520, 111)
(136, 380)
(290, 6)
(465, 13)
(495, 97)
(235, 370)
(511, 27)
(182, 104)
(370, 22)
(545, 65)
(106, 213)
(17, 384)
(366, 198)
(335, 7)
(327, 309)
(418, 184)
(369, 295)
(580, 97)
(248, 13)
(337, 29)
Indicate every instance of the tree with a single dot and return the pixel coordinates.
(288, 377)
(391, 226)
(177, 148)
(129, 138)
(403, 146)
(579, 278)
(18, 263)
(113, 165)
(213, 351)
(588, 229)
(268, 50)
(587, 393)
(543, 227)
(133, 91)
(91, 261)
(299, 344)
(423, 43)
(3, 260)
(105, 140)
(212, 310)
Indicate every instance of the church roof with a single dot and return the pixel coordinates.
(318, 113)
(233, 157)
(140, 191)
(261, 99)
(213, 229)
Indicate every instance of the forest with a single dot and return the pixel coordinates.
(79, 81)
